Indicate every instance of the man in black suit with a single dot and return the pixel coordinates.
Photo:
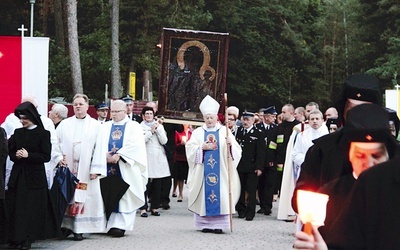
(102, 111)
(266, 182)
(129, 105)
(251, 164)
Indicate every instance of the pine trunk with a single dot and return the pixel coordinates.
(116, 88)
(73, 45)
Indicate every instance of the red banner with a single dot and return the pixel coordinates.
(10, 75)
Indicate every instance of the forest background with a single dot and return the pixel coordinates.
(289, 51)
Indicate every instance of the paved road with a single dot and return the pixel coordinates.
(174, 230)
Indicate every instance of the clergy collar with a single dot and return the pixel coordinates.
(122, 122)
(217, 126)
(32, 127)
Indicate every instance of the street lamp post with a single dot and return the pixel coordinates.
(32, 2)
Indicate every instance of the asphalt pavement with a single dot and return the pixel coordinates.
(174, 229)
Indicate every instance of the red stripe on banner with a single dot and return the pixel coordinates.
(10, 74)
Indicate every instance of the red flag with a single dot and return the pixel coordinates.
(10, 74)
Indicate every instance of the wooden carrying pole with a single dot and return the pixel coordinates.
(229, 160)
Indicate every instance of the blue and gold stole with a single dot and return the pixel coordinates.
(212, 175)
(114, 143)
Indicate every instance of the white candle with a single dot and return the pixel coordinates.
(312, 207)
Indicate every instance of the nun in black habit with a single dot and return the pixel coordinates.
(27, 200)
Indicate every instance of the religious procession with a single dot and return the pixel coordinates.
(76, 175)
(269, 126)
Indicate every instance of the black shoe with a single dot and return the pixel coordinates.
(78, 237)
(166, 207)
(261, 211)
(268, 212)
(218, 231)
(290, 218)
(155, 213)
(144, 215)
(116, 232)
(13, 245)
(249, 218)
(65, 232)
(207, 230)
(26, 244)
(174, 195)
(241, 215)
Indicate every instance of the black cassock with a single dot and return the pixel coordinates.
(28, 203)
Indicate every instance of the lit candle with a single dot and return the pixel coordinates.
(312, 209)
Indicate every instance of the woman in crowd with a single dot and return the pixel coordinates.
(27, 197)
(181, 166)
(158, 168)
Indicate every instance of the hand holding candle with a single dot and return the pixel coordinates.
(312, 209)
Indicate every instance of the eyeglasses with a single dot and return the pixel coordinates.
(102, 110)
(231, 119)
(116, 111)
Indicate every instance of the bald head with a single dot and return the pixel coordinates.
(152, 105)
(118, 105)
(30, 99)
(331, 113)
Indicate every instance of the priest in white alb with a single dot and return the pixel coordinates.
(121, 153)
(77, 137)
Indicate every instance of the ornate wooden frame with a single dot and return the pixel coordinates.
(193, 65)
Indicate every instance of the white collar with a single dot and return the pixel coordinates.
(31, 127)
(122, 122)
(217, 126)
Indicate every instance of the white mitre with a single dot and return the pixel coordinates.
(209, 106)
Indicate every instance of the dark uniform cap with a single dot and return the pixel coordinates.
(247, 114)
(363, 88)
(101, 106)
(369, 123)
(127, 99)
(270, 110)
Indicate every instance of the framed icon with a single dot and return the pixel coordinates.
(193, 65)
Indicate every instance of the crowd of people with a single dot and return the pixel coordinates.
(67, 176)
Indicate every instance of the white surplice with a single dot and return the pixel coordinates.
(133, 169)
(77, 139)
(195, 181)
(285, 210)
